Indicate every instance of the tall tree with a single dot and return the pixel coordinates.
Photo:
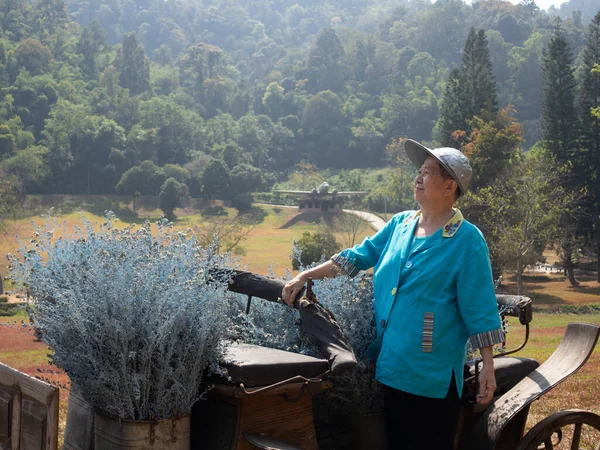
(559, 126)
(477, 77)
(559, 117)
(522, 211)
(451, 114)
(132, 65)
(326, 63)
(469, 92)
(91, 41)
(589, 133)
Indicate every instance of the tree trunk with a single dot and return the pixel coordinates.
(519, 276)
(598, 248)
(568, 262)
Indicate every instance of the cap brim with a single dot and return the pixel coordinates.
(418, 154)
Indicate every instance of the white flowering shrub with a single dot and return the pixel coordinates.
(267, 324)
(128, 313)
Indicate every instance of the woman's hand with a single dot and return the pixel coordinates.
(293, 287)
(487, 384)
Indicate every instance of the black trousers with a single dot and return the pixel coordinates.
(421, 423)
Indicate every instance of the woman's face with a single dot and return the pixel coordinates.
(430, 186)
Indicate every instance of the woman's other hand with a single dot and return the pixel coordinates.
(487, 385)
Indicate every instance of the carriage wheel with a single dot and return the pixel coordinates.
(565, 430)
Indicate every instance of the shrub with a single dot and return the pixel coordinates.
(128, 313)
(3, 299)
(313, 246)
(242, 202)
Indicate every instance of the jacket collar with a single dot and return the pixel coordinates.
(451, 226)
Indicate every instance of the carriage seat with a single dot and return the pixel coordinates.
(254, 365)
(509, 371)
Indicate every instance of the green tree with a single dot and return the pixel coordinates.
(34, 56)
(215, 180)
(322, 113)
(245, 178)
(522, 210)
(451, 114)
(145, 179)
(326, 65)
(173, 194)
(491, 146)
(313, 247)
(589, 132)
(28, 168)
(559, 118)
(7, 141)
(478, 78)
(175, 130)
(274, 100)
(524, 64)
(91, 40)
(132, 65)
(559, 127)
(174, 171)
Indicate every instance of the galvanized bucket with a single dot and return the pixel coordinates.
(89, 430)
(79, 431)
(171, 434)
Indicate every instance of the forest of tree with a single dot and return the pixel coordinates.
(219, 98)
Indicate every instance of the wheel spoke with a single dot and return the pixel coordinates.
(576, 436)
(548, 444)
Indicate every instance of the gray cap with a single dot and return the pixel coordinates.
(451, 159)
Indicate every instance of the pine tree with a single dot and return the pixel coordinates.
(589, 133)
(559, 117)
(478, 79)
(559, 130)
(469, 92)
(133, 66)
(326, 63)
(451, 116)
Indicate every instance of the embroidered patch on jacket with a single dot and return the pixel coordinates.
(453, 224)
(427, 344)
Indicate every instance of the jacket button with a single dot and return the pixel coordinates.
(409, 264)
(394, 290)
(382, 323)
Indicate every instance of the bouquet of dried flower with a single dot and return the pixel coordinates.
(128, 312)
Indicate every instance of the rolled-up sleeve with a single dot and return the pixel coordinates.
(365, 255)
(477, 298)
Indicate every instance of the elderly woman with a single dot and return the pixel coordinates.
(433, 291)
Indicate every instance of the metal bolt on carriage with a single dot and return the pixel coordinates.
(267, 402)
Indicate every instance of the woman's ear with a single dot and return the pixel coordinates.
(451, 188)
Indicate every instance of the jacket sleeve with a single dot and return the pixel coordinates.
(477, 298)
(365, 255)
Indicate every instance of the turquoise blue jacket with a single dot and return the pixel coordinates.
(427, 302)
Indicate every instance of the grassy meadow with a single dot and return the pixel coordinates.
(268, 247)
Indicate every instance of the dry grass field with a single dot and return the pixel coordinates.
(268, 248)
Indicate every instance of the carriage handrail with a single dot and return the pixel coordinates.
(572, 353)
(317, 321)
